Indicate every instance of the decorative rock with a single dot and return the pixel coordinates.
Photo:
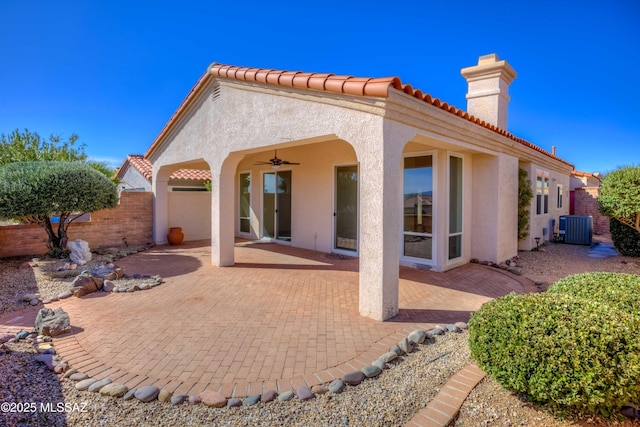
(47, 359)
(83, 285)
(80, 253)
(380, 363)
(213, 399)
(147, 394)
(319, 389)
(114, 390)
(417, 336)
(405, 345)
(353, 378)
(304, 393)
(130, 394)
(52, 322)
(108, 286)
(65, 295)
(179, 399)
(337, 386)
(68, 373)
(397, 350)
(29, 297)
(195, 400)
(22, 335)
(85, 384)
(61, 367)
(145, 286)
(98, 385)
(371, 371)
(269, 396)
(452, 328)
(78, 376)
(287, 395)
(234, 402)
(165, 396)
(389, 357)
(438, 330)
(462, 325)
(42, 347)
(34, 302)
(251, 400)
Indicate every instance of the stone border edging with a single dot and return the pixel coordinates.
(48, 356)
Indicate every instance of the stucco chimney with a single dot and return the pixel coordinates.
(488, 93)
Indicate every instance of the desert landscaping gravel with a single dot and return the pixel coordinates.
(391, 399)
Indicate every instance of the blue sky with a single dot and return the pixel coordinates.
(113, 72)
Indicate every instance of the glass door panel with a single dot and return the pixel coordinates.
(418, 207)
(346, 214)
(455, 207)
(245, 203)
(283, 205)
(276, 205)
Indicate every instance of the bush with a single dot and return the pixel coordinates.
(618, 290)
(567, 353)
(625, 239)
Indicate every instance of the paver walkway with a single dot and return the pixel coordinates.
(280, 318)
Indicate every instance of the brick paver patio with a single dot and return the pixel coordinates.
(280, 318)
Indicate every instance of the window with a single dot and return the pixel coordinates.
(418, 207)
(455, 207)
(542, 192)
(560, 196)
(245, 203)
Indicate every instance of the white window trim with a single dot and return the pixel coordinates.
(407, 260)
(240, 232)
(461, 233)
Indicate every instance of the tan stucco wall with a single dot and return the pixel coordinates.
(543, 221)
(191, 210)
(231, 125)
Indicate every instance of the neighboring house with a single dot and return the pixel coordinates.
(136, 173)
(378, 169)
(585, 189)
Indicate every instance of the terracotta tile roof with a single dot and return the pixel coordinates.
(144, 167)
(359, 86)
(586, 174)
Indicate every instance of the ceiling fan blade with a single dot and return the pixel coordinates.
(285, 162)
(263, 163)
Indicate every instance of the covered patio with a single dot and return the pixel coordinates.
(280, 318)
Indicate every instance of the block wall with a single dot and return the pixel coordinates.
(132, 219)
(586, 204)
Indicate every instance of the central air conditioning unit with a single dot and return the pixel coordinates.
(575, 229)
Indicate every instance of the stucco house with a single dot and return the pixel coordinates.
(136, 174)
(369, 167)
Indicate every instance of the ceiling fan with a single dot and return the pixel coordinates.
(276, 162)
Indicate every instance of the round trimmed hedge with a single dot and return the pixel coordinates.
(617, 289)
(564, 352)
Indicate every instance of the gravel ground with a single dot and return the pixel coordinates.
(388, 400)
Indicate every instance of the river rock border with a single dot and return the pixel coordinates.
(48, 356)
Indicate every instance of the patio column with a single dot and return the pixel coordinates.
(223, 211)
(380, 204)
(160, 188)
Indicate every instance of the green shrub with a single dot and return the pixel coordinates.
(567, 353)
(615, 289)
(625, 239)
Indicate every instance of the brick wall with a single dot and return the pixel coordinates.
(586, 203)
(131, 219)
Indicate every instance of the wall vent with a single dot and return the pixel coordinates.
(216, 93)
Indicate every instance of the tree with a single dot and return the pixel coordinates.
(619, 196)
(524, 200)
(35, 191)
(30, 147)
(619, 199)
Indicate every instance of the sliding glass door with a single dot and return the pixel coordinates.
(418, 207)
(276, 210)
(346, 208)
